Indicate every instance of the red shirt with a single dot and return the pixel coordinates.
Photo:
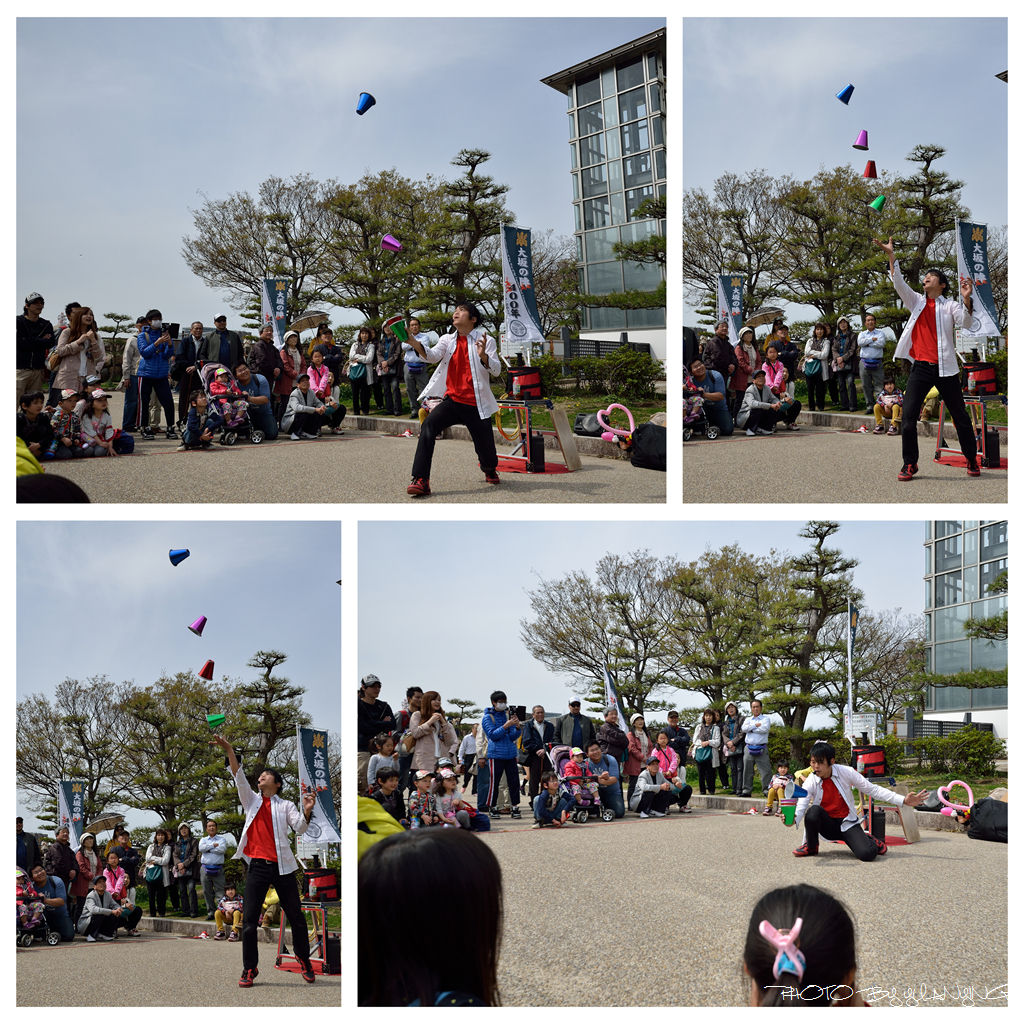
(460, 376)
(832, 802)
(259, 840)
(924, 338)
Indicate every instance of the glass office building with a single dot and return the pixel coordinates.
(962, 560)
(617, 160)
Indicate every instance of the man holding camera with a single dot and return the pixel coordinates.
(502, 729)
(156, 347)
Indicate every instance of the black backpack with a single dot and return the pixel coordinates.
(989, 819)
(650, 447)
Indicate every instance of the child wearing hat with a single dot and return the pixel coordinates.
(231, 408)
(423, 810)
(97, 427)
(576, 769)
(450, 806)
(67, 428)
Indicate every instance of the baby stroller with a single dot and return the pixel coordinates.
(31, 920)
(241, 425)
(559, 756)
(695, 420)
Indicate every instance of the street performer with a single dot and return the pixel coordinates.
(264, 847)
(828, 809)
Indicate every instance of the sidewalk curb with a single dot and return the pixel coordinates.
(190, 927)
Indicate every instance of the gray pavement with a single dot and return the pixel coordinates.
(655, 912)
(827, 464)
(365, 464)
(159, 969)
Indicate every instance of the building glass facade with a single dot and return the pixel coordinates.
(617, 160)
(963, 558)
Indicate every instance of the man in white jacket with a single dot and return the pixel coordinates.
(465, 392)
(828, 809)
(265, 849)
(928, 342)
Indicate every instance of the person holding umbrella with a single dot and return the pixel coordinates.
(265, 849)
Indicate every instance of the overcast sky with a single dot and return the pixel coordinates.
(475, 578)
(761, 93)
(135, 120)
(103, 599)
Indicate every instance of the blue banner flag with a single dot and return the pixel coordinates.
(522, 322)
(275, 306)
(315, 777)
(71, 810)
(972, 265)
(730, 304)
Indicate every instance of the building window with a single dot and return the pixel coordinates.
(635, 196)
(950, 698)
(592, 150)
(641, 276)
(990, 697)
(944, 527)
(636, 170)
(599, 244)
(588, 90)
(596, 213)
(630, 75)
(989, 572)
(604, 278)
(988, 654)
(635, 137)
(949, 589)
(633, 104)
(948, 554)
(605, 318)
(595, 182)
(590, 118)
(949, 622)
(993, 541)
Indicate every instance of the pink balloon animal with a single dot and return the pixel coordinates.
(951, 809)
(613, 433)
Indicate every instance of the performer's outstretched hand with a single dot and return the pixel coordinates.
(887, 246)
(308, 803)
(913, 799)
(966, 287)
(219, 741)
(481, 345)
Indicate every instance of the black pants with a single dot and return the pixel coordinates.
(534, 769)
(764, 419)
(467, 764)
(923, 377)
(360, 396)
(306, 423)
(815, 391)
(157, 897)
(261, 875)
(510, 766)
(163, 392)
(833, 389)
(654, 800)
(723, 773)
(445, 415)
(818, 823)
(101, 924)
(706, 776)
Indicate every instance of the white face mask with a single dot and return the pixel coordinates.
(500, 707)
(157, 324)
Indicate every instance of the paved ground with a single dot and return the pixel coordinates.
(358, 466)
(655, 912)
(827, 465)
(194, 972)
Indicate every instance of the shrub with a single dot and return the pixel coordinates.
(632, 374)
(998, 360)
(550, 368)
(973, 752)
(591, 374)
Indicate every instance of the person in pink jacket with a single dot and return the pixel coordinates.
(638, 749)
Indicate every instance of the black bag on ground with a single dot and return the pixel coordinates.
(586, 425)
(650, 447)
(931, 802)
(989, 819)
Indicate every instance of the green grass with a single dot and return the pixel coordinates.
(541, 418)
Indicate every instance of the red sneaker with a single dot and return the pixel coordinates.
(805, 851)
(973, 469)
(419, 488)
(491, 476)
(307, 971)
(907, 472)
(882, 848)
(248, 977)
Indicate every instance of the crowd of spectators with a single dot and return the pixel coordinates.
(62, 408)
(751, 386)
(92, 893)
(410, 761)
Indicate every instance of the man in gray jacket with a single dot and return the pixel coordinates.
(303, 416)
(759, 409)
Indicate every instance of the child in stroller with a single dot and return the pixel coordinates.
(578, 783)
(31, 913)
(694, 418)
(227, 396)
(228, 400)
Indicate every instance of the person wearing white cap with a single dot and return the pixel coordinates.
(34, 338)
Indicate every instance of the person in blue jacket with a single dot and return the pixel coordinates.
(155, 351)
(502, 732)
